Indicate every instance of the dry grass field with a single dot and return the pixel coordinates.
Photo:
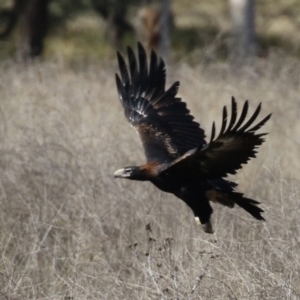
(68, 230)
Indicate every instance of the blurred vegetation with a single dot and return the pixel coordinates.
(200, 32)
(69, 231)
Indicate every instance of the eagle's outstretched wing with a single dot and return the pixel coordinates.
(234, 146)
(161, 119)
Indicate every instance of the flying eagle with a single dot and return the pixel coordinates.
(179, 159)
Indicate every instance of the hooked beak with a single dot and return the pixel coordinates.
(120, 174)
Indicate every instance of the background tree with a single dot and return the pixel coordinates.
(243, 45)
(33, 18)
(154, 21)
(165, 29)
(114, 12)
(148, 25)
(9, 17)
(33, 28)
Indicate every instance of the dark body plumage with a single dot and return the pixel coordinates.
(179, 160)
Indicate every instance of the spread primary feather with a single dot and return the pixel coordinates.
(179, 160)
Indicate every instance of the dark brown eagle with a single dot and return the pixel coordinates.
(179, 160)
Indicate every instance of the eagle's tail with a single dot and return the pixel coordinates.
(230, 198)
(248, 204)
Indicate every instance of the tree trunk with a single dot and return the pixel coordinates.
(242, 46)
(114, 13)
(148, 26)
(165, 29)
(153, 26)
(33, 25)
(9, 18)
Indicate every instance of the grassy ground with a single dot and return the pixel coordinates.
(70, 231)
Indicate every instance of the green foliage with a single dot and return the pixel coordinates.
(201, 29)
(60, 10)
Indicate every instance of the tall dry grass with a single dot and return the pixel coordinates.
(68, 230)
